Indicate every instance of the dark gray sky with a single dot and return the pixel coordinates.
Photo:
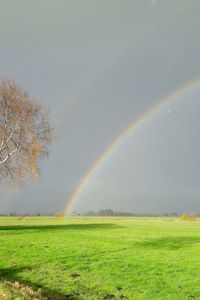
(99, 65)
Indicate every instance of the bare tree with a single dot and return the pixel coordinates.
(25, 133)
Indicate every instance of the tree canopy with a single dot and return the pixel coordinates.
(25, 133)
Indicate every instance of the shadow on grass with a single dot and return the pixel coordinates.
(170, 243)
(12, 275)
(94, 226)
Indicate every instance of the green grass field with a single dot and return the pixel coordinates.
(99, 258)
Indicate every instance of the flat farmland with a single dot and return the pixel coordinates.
(99, 258)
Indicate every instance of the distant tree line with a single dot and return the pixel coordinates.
(16, 214)
(111, 212)
(103, 213)
(108, 212)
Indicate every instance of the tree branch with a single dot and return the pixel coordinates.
(10, 154)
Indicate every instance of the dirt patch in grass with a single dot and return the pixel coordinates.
(14, 289)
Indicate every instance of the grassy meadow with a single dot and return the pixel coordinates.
(99, 258)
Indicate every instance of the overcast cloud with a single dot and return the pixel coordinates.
(99, 65)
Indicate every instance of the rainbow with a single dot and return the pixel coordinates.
(180, 92)
(136, 39)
